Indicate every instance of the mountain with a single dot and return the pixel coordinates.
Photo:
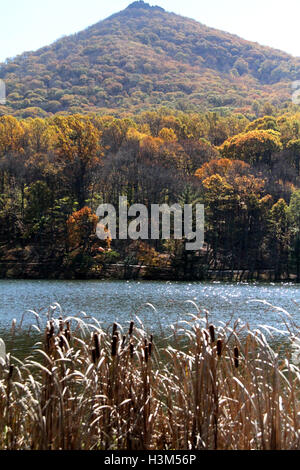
(143, 58)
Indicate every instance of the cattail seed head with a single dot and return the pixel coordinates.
(114, 345)
(97, 345)
(146, 352)
(219, 347)
(212, 333)
(61, 341)
(131, 328)
(236, 357)
(123, 342)
(115, 327)
(150, 349)
(51, 329)
(94, 359)
(131, 349)
(11, 371)
(49, 335)
(68, 332)
(205, 335)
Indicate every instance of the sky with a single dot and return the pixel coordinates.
(27, 25)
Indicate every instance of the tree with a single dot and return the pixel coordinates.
(78, 149)
(265, 123)
(11, 135)
(294, 209)
(253, 147)
(294, 147)
(81, 226)
(235, 213)
(279, 237)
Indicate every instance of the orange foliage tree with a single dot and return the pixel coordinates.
(79, 150)
(81, 226)
(253, 147)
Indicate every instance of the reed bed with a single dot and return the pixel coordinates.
(211, 387)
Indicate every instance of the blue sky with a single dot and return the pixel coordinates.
(31, 24)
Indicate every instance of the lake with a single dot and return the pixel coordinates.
(111, 301)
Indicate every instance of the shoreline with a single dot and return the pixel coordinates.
(40, 271)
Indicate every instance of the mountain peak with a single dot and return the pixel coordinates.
(143, 58)
(140, 4)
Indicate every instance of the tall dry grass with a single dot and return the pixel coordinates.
(210, 388)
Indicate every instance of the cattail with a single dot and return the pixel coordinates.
(49, 334)
(219, 347)
(61, 324)
(61, 341)
(123, 342)
(13, 326)
(206, 336)
(51, 329)
(212, 333)
(150, 349)
(94, 359)
(236, 357)
(115, 327)
(68, 332)
(131, 328)
(114, 345)
(11, 371)
(131, 349)
(97, 345)
(146, 351)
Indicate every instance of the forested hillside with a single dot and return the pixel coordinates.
(55, 172)
(144, 58)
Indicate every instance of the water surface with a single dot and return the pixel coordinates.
(120, 301)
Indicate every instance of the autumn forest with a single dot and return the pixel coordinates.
(56, 171)
(161, 109)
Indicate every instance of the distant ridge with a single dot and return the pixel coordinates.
(144, 58)
(145, 6)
